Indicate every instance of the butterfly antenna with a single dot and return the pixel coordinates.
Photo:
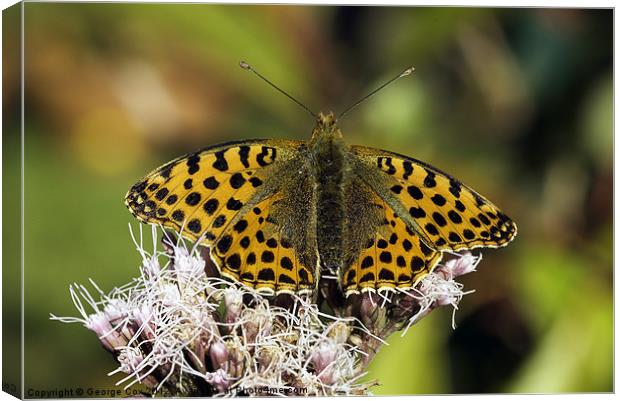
(405, 73)
(248, 67)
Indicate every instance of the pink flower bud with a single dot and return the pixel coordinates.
(373, 316)
(143, 316)
(322, 359)
(218, 352)
(109, 337)
(464, 264)
(218, 380)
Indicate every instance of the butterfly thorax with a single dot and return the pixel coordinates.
(328, 152)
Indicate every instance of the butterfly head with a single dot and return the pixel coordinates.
(326, 120)
(326, 128)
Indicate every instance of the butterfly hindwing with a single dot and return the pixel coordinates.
(449, 214)
(221, 196)
(392, 256)
(257, 254)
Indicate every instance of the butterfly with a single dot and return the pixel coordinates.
(277, 214)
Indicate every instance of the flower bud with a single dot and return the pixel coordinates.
(268, 357)
(233, 302)
(464, 264)
(143, 317)
(150, 268)
(110, 338)
(373, 316)
(339, 332)
(235, 361)
(218, 353)
(218, 380)
(322, 360)
(257, 321)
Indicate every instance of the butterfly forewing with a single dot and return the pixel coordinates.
(217, 196)
(449, 214)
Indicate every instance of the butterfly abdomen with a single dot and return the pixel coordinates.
(329, 166)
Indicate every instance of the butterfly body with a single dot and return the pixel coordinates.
(279, 214)
(329, 172)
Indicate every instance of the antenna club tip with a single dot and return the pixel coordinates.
(408, 71)
(244, 65)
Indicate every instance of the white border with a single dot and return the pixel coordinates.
(480, 3)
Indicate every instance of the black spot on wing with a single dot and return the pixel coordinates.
(408, 167)
(385, 164)
(304, 278)
(385, 257)
(237, 180)
(396, 189)
(161, 194)
(220, 162)
(367, 262)
(223, 245)
(266, 275)
(286, 263)
(429, 180)
(193, 163)
(211, 206)
(219, 221)
(415, 192)
(139, 187)
(417, 212)
(234, 204)
(386, 275)
(455, 217)
(240, 226)
(439, 219)
(368, 277)
(438, 200)
(283, 278)
(178, 215)
(455, 188)
(234, 262)
(266, 151)
(193, 199)
(210, 183)
(417, 263)
(244, 153)
(267, 257)
(194, 226)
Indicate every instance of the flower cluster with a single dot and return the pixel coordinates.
(181, 330)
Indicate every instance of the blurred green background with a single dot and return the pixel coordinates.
(515, 102)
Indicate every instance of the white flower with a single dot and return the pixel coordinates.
(174, 325)
(439, 287)
(233, 302)
(462, 264)
(323, 359)
(179, 331)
